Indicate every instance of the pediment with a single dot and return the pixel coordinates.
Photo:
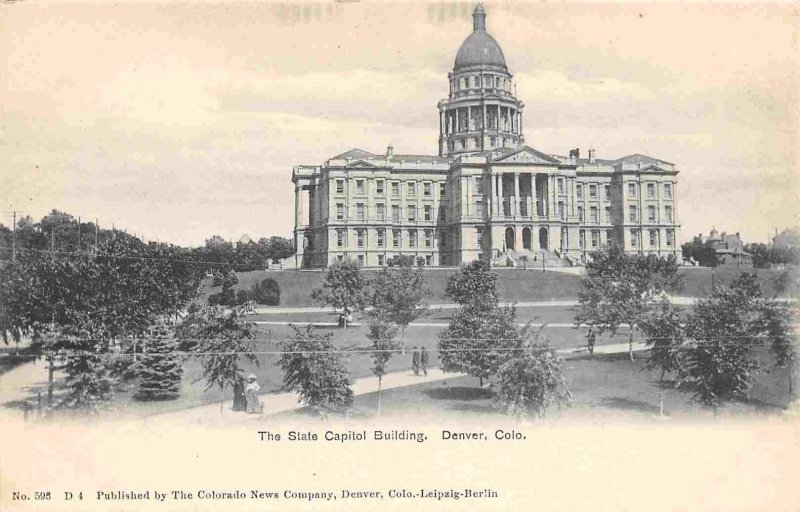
(526, 155)
(653, 168)
(359, 163)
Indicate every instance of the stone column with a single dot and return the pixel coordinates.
(520, 123)
(296, 207)
(515, 208)
(457, 125)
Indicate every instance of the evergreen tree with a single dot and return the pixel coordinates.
(313, 368)
(160, 367)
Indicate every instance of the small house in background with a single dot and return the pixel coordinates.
(787, 239)
(729, 249)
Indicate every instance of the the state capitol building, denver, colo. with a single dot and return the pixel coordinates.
(486, 195)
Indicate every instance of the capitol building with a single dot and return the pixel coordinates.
(486, 194)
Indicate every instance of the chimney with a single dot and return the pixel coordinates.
(390, 151)
(574, 154)
(591, 156)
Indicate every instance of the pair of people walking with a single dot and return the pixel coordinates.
(419, 360)
(245, 396)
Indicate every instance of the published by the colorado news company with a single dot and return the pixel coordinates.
(237, 495)
(71, 498)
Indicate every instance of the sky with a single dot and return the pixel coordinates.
(182, 120)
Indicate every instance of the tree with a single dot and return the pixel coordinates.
(778, 319)
(381, 332)
(476, 340)
(398, 295)
(480, 330)
(474, 284)
(160, 367)
(267, 292)
(724, 330)
(89, 381)
(221, 340)
(620, 288)
(531, 380)
(312, 367)
(664, 335)
(701, 252)
(344, 287)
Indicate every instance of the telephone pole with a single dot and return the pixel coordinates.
(14, 238)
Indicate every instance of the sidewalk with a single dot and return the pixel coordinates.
(277, 310)
(275, 403)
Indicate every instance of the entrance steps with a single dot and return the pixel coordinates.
(530, 259)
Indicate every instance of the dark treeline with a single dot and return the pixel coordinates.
(61, 232)
(764, 256)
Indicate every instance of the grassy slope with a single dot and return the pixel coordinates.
(515, 285)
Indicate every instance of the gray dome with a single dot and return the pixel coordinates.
(479, 49)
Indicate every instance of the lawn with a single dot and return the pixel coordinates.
(515, 285)
(359, 362)
(605, 389)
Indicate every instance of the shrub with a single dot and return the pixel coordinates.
(267, 292)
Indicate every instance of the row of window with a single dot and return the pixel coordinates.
(474, 82)
(411, 187)
(653, 238)
(396, 238)
(474, 143)
(633, 214)
(396, 213)
(382, 259)
(652, 214)
(651, 190)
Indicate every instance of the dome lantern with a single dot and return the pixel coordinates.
(479, 18)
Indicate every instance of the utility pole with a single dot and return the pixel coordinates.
(14, 238)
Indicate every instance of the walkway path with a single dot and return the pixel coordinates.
(277, 310)
(275, 403)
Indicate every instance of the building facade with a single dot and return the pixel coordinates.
(486, 195)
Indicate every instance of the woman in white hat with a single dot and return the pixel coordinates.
(251, 395)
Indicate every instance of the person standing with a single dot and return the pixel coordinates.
(251, 395)
(239, 400)
(423, 360)
(590, 341)
(415, 359)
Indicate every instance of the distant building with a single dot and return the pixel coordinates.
(729, 249)
(486, 195)
(787, 239)
(245, 239)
